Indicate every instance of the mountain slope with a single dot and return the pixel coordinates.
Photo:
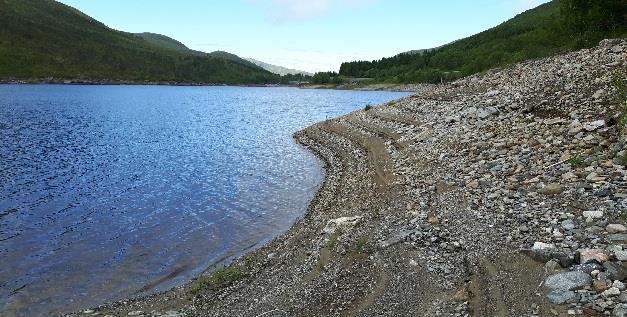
(280, 70)
(44, 38)
(166, 42)
(539, 32)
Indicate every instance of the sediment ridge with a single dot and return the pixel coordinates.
(501, 194)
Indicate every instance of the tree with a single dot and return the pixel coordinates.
(593, 16)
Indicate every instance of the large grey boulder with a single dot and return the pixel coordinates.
(568, 281)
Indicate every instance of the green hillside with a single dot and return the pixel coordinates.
(44, 38)
(166, 42)
(549, 29)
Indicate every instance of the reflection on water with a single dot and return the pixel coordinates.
(110, 191)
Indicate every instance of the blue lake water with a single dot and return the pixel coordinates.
(108, 192)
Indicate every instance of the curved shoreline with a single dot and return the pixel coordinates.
(428, 200)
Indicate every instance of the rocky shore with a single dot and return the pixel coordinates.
(368, 87)
(501, 194)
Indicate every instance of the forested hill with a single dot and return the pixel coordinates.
(557, 26)
(44, 38)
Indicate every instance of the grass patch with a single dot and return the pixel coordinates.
(334, 238)
(361, 247)
(219, 279)
(576, 161)
(618, 81)
(367, 107)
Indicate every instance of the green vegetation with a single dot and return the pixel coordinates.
(621, 95)
(40, 38)
(361, 247)
(555, 27)
(219, 279)
(166, 42)
(367, 107)
(334, 238)
(327, 78)
(576, 161)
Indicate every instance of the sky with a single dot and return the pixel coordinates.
(310, 35)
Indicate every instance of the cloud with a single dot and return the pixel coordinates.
(303, 10)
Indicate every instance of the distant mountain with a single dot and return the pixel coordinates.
(45, 38)
(280, 70)
(536, 33)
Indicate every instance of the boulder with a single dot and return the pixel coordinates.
(568, 281)
(616, 228)
(563, 297)
(588, 255)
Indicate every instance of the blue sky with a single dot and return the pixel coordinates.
(312, 35)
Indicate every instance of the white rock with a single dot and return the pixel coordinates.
(612, 291)
(543, 246)
(333, 224)
(618, 284)
(593, 214)
(591, 126)
(615, 228)
(598, 94)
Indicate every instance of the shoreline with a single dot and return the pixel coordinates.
(463, 200)
(87, 82)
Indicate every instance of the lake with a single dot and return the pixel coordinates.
(108, 192)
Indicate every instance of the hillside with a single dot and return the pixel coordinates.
(166, 42)
(279, 70)
(537, 33)
(44, 38)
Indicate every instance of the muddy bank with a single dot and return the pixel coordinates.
(469, 199)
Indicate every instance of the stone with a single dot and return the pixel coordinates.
(551, 189)
(474, 184)
(551, 266)
(587, 255)
(593, 214)
(461, 295)
(617, 237)
(615, 270)
(599, 286)
(620, 310)
(135, 313)
(618, 284)
(616, 228)
(334, 224)
(588, 268)
(568, 281)
(611, 292)
(622, 297)
(563, 297)
(543, 246)
(568, 224)
(591, 126)
(575, 127)
(487, 112)
(621, 255)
